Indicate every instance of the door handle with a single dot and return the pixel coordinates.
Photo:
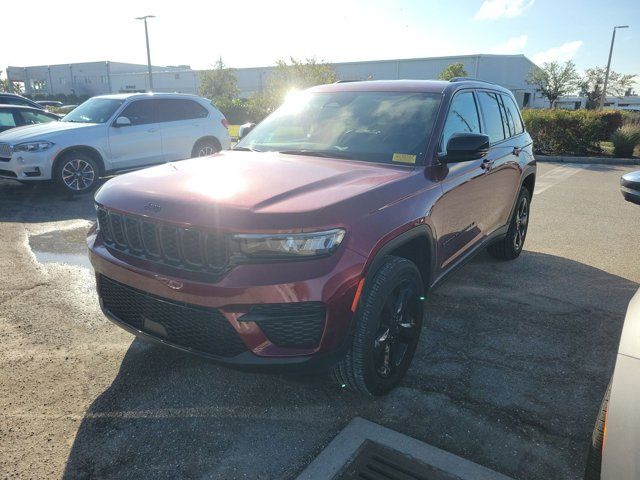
(516, 151)
(486, 164)
(152, 130)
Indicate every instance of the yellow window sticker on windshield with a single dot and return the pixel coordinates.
(404, 158)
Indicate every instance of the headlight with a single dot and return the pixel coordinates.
(32, 146)
(290, 244)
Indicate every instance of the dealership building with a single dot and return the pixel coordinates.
(94, 78)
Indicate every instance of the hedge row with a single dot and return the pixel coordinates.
(576, 132)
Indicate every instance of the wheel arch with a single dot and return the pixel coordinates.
(83, 149)
(204, 138)
(529, 182)
(417, 245)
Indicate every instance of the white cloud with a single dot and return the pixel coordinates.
(495, 9)
(564, 52)
(513, 45)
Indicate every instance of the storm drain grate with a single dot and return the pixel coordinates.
(377, 462)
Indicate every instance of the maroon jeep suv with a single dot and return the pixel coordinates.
(315, 241)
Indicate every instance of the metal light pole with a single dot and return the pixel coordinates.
(146, 34)
(606, 75)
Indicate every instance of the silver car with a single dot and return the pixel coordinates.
(615, 444)
(113, 133)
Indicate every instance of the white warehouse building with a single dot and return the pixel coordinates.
(96, 78)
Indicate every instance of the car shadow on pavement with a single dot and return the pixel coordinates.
(511, 367)
(42, 203)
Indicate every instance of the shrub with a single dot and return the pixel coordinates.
(575, 132)
(631, 118)
(625, 140)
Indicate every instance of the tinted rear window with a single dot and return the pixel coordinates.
(173, 110)
(513, 114)
(492, 117)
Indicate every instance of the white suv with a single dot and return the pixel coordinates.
(112, 133)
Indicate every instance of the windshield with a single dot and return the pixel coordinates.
(383, 127)
(94, 110)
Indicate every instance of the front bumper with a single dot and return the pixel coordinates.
(330, 281)
(27, 166)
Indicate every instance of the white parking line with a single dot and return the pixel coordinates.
(557, 175)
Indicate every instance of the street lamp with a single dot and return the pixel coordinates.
(606, 75)
(146, 34)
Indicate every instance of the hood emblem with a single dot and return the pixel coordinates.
(153, 207)
(172, 284)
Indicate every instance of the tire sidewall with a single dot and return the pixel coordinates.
(512, 226)
(76, 156)
(391, 274)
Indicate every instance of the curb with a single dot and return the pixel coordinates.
(344, 447)
(588, 160)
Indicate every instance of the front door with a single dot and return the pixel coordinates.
(460, 216)
(137, 144)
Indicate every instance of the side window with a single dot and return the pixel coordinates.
(507, 125)
(491, 115)
(174, 110)
(462, 117)
(513, 114)
(7, 119)
(140, 112)
(32, 118)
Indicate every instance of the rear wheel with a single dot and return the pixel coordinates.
(510, 247)
(387, 329)
(77, 173)
(206, 147)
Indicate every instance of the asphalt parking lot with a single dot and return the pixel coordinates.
(510, 371)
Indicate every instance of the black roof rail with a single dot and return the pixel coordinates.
(462, 79)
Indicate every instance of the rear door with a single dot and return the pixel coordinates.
(140, 143)
(503, 170)
(182, 123)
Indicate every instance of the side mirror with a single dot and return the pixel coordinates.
(630, 187)
(245, 129)
(122, 122)
(463, 147)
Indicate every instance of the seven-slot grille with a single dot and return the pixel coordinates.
(186, 248)
(5, 151)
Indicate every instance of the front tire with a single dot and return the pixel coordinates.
(510, 247)
(77, 173)
(388, 322)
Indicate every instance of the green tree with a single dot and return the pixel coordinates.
(452, 71)
(286, 77)
(219, 85)
(592, 84)
(554, 80)
(6, 86)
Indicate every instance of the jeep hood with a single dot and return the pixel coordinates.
(248, 189)
(42, 131)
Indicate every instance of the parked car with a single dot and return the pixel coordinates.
(615, 445)
(15, 99)
(12, 116)
(66, 108)
(49, 103)
(313, 243)
(111, 133)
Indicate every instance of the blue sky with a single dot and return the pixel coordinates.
(256, 32)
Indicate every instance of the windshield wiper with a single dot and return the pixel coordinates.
(316, 153)
(245, 149)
